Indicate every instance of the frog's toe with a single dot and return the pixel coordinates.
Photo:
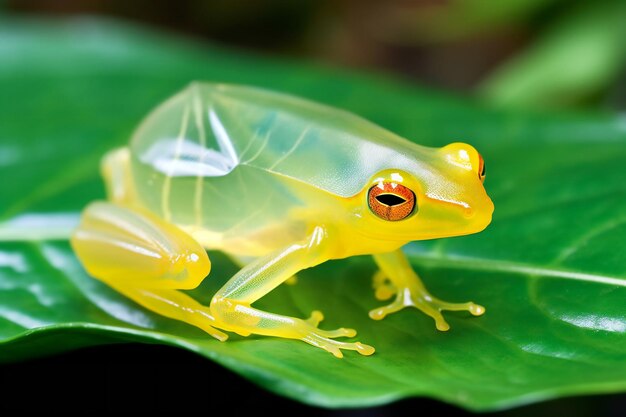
(400, 302)
(222, 337)
(476, 309)
(422, 300)
(384, 292)
(440, 323)
(316, 318)
(325, 338)
(205, 321)
(382, 312)
(340, 332)
(335, 347)
(383, 288)
(473, 308)
(435, 306)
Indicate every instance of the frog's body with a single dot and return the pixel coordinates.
(284, 181)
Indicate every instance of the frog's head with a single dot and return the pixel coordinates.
(442, 196)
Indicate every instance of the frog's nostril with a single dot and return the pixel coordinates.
(468, 212)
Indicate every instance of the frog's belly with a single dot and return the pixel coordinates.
(248, 212)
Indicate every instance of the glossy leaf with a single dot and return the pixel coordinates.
(550, 268)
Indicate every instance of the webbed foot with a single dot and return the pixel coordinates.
(416, 296)
(324, 338)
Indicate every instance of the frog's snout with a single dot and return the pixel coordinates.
(479, 215)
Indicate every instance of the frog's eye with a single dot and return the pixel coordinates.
(481, 168)
(391, 201)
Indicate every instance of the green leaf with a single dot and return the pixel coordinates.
(577, 58)
(550, 269)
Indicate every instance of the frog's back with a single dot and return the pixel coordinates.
(223, 152)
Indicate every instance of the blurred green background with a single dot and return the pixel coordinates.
(538, 54)
(533, 53)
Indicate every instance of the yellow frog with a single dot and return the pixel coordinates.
(281, 184)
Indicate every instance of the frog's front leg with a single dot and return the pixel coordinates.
(396, 276)
(231, 306)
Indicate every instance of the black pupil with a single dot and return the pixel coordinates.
(484, 170)
(390, 199)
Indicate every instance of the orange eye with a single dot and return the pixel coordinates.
(481, 168)
(391, 201)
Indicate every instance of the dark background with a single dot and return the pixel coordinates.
(395, 36)
(153, 378)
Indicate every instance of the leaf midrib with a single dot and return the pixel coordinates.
(494, 265)
(430, 258)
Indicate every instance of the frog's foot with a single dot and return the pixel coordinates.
(422, 300)
(238, 317)
(324, 338)
(335, 346)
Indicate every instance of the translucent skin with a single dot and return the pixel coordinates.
(281, 184)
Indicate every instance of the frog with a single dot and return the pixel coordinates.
(280, 184)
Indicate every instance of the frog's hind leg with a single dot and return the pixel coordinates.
(146, 259)
(175, 305)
